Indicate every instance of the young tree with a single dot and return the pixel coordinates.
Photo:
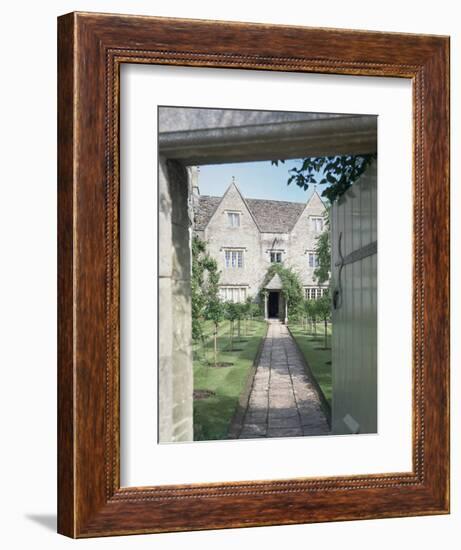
(241, 309)
(254, 311)
(247, 307)
(307, 308)
(215, 313)
(232, 313)
(197, 282)
(324, 312)
(214, 310)
(323, 251)
(312, 311)
(307, 314)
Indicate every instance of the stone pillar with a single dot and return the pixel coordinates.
(175, 322)
(165, 330)
(286, 311)
(266, 312)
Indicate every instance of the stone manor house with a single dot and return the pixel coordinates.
(246, 236)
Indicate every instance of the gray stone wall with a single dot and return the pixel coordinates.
(175, 328)
(212, 136)
(302, 239)
(257, 245)
(220, 236)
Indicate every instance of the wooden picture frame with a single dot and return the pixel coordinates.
(92, 47)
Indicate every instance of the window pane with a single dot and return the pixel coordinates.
(233, 219)
(234, 258)
(313, 260)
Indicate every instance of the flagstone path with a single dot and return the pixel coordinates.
(283, 401)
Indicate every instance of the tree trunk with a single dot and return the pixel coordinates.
(326, 334)
(231, 335)
(204, 347)
(216, 345)
(238, 328)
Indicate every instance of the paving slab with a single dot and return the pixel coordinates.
(283, 401)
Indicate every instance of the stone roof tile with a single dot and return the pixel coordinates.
(271, 216)
(275, 216)
(206, 208)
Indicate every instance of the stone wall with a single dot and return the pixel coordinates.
(175, 328)
(212, 136)
(257, 245)
(303, 239)
(219, 236)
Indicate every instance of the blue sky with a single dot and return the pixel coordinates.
(256, 180)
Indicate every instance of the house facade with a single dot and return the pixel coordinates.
(245, 236)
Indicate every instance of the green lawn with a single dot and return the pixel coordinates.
(213, 414)
(318, 358)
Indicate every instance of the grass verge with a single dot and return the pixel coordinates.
(317, 357)
(213, 414)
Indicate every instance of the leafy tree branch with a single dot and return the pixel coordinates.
(339, 171)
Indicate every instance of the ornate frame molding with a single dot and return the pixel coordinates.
(91, 49)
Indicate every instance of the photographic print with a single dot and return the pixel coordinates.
(219, 288)
(272, 285)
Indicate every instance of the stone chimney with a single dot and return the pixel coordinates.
(194, 174)
(194, 190)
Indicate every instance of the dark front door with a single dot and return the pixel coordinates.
(273, 305)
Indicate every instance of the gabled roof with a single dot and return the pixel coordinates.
(275, 216)
(275, 283)
(206, 208)
(270, 216)
(232, 187)
(314, 198)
